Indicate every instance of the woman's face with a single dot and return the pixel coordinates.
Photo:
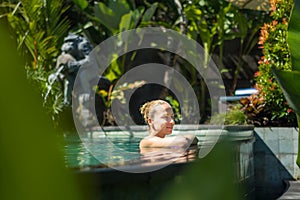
(162, 121)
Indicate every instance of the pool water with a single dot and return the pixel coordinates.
(78, 156)
(118, 151)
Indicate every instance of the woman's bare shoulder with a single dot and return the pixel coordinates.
(153, 141)
(146, 142)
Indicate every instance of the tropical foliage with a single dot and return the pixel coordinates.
(40, 27)
(289, 81)
(276, 54)
(234, 116)
(212, 23)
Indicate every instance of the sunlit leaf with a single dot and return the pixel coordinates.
(125, 22)
(106, 16)
(83, 4)
(193, 13)
(290, 84)
(149, 12)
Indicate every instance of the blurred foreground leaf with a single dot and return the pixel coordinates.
(32, 165)
(209, 178)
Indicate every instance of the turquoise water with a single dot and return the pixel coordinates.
(117, 151)
(77, 154)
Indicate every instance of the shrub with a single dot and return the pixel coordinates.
(234, 116)
(276, 53)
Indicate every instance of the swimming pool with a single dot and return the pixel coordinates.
(113, 179)
(79, 156)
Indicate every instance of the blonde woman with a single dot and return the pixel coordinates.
(159, 116)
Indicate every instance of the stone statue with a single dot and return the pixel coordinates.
(75, 53)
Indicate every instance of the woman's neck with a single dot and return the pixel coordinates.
(154, 133)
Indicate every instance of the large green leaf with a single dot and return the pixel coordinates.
(31, 153)
(131, 19)
(111, 15)
(106, 16)
(242, 23)
(125, 23)
(83, 4)
(294, 38)
(149, 12)
(120, 7)
(290, 84)
(294, 41)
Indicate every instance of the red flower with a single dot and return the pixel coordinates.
(256, 74)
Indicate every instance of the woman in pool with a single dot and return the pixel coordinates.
(159, 116)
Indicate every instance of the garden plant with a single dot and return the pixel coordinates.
(273, 107)
(289, 81)
(40, 27)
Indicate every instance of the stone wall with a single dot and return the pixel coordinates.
(275, 153)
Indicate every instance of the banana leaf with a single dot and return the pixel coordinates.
(289, 82)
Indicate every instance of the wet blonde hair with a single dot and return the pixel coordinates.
(147, 109)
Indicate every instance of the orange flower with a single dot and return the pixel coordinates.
(261, 61)
(256, 74)
(284, 21)
(263, 34)
(257, 86)
(274, 22)
(273, 4)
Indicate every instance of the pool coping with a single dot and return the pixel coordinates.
(231, 132)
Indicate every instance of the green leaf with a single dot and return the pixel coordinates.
(106, 16)
(114, 71)
(294, 41)
(119, 7)
(193, 13)
(125, 22)
(243, 24)
(294, 38)
(149, 12)
(83, 4)
(137, 16)
(111, 15)
(290, 84)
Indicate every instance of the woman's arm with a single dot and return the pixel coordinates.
(178, 141)
(192, 138)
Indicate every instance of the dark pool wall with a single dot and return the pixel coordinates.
(245, 168)
(112, 184)
(275, 153)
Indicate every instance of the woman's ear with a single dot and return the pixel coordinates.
(149, 121)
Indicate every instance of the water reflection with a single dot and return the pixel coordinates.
(162, 155)
(78, 156)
